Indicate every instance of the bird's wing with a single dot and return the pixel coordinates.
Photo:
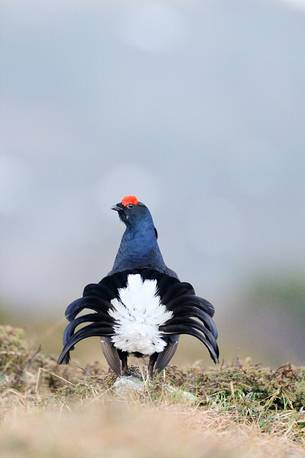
(111, 355)
(166, 355)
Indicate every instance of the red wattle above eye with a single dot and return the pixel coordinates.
(127, 200)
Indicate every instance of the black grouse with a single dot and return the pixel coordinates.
(141, 307)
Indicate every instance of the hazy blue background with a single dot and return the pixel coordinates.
(198, 108)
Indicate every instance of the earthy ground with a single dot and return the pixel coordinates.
(242, 410)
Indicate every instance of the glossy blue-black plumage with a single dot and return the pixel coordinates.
(139, 246)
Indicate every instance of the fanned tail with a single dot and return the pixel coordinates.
(192, 315)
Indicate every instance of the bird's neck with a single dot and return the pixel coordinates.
(139, 249)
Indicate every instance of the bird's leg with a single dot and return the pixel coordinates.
(124, 356)
(151, 364)
(125, 369)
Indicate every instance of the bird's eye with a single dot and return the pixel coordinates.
(129, 205)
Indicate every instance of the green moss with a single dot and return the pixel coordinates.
(272, 399)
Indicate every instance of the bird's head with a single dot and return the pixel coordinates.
(132, 212)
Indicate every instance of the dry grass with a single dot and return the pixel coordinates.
(125, 429)
(242, 410)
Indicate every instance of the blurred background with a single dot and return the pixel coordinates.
(196, 107)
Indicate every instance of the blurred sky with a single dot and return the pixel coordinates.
(197, 107)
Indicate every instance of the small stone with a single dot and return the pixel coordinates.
(128, 384)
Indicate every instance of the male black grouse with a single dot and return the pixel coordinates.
(140, 307)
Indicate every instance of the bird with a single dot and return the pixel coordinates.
(140, 308)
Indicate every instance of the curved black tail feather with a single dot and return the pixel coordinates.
(191, 299)
(192, 315)
(90, 302)
(192, 323)
(196, 312)
(89, 318)
(84, 333)
(97, 299)
(181, 329)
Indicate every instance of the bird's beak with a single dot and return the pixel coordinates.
(117, 208)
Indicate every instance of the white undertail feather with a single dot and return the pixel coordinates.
(138, 315)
